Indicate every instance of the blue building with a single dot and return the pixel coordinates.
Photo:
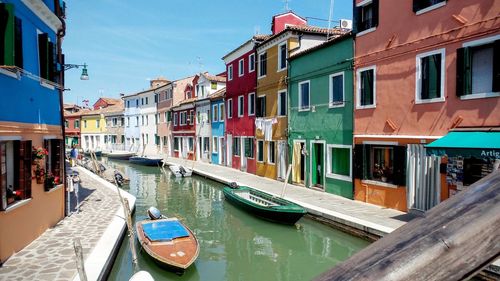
(218, 119)
(31, 131)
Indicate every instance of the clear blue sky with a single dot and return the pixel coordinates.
(127, 42)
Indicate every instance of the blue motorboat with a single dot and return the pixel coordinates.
(145, 160)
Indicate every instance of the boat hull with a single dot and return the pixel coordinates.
(97, 153)
(175, 255)
(176, 170)
(120, 155)
(145, 161)
(282, 211)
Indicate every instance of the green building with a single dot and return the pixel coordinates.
(320, 120)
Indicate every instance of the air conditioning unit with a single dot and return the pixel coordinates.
(347, 24)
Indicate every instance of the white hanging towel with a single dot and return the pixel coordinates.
(259, 123)
(268, 130)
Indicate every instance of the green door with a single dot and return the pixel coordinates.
(317, 165)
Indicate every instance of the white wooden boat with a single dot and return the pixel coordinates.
(180, 171)
(120, 154)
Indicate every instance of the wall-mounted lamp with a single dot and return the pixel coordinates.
(84, 76)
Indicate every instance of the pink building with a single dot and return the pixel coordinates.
(422, 68)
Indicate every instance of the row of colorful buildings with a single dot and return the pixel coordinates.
(402, 111)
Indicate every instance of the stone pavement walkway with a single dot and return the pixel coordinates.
(366, 217)
(51, 256)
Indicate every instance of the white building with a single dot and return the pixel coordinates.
(205, 85)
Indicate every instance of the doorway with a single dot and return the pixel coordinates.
(282, 159)
(243, 158)
(317, 164)
(229, 148)
(299, 161)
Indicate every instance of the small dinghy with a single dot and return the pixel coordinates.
(180, 171)
(120, 155)
(145, 160)
(167, 241)
(263, 205)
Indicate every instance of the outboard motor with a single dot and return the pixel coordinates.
(233, 185)
(102, 168)
(182, 170)
(154, 213)
(119, 178)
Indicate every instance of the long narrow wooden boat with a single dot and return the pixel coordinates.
(168, 242)
(120, 155)
(145, 160)
(180, 171)
(264, 205)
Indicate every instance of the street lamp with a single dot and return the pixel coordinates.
(84, 76)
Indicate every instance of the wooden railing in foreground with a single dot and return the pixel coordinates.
(453, 241)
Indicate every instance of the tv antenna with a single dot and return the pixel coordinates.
(287, 8)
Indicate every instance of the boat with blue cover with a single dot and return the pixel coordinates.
(168, 241)
(264, 205)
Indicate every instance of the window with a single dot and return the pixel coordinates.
(241, 67)
(251, 104)
(115, 122)
(478, 73)
(262, 65)
(260, 151)
(85, 123)
(366, 89)
(221, 112)
(215, 145)
(422, 6)
(366, 16)
(241, 102)
(11, 36)
(15, 172)
(271, 152)
(128, 103)
(282, 103)
(236, 146)
(206, 144)
(175, 119)
(122, 121)
(128, 121)
(261, 106)
(337, 90)
(97, 123)
(339, 162)
(53, 163)
(147, 120)
(137, 103)
(230, 108)
(209, 116)
(147, 102)
(215, 113)
(191, 117)
(66, 124)
(304, 101)
(430, 77)
(230, 72)
(77, 124)
(282, 56)
(142, 101)
(382, 163)
(213, 85)
(137, 121)
(249, 148)
(251, 63)
(188, 94)
(156, 98)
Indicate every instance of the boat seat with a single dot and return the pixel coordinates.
(161, 231)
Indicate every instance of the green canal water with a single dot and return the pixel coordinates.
(234, 244)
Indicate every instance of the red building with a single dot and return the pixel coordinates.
(241, 83)
(184, 125)
(105, 102)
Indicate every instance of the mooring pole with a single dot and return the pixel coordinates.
(80, 265)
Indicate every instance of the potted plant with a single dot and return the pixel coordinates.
(51, 181)
(38, 154)
(39, 174)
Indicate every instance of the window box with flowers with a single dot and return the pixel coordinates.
(38, 154)
(51, 182)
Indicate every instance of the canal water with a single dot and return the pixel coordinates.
(234, 245)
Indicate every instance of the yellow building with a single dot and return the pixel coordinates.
(271, 100)
(93, 130)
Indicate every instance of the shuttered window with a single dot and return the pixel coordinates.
(249, 148)
(366, 16)
(478, 69)
(15, 172)
(419, 5)
(18, 42)
(380, 163)
(7, 35)
(366, 87)
(261, 107)
(236, 146)
(43, 55)
(53, 163)
(430, 76)
(260, 151)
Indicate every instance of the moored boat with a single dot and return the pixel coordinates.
(167, 241)
(145, 160)
(98, 153)
(180, 171)
(120, 154)
(264, 205)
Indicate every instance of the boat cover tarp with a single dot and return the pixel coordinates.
(164, 230)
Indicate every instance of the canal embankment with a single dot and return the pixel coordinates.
(358, 218)
(98, 224)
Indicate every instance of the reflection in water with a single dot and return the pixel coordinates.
(234, 244)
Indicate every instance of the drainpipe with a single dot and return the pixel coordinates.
(60, 34)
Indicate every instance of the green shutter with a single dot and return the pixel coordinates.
(464, 73)
(496, 66)
(340, 161)
(18, 44)
(43, 55)
(7, 34)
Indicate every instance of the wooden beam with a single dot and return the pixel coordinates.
(453, 241)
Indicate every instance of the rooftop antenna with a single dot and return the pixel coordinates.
(200, 65)
(257, 30)
(287, 9)
(329, 20)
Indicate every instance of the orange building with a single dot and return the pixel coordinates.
(422, 68)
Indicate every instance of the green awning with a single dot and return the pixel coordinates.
(467, 144)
